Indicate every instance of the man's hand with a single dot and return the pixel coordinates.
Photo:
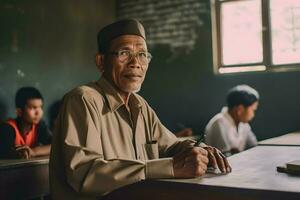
(190, 163)
(217, 159)
(24, 151)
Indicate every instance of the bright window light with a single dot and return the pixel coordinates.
(226, 70)
(285, 31)
(241, 32)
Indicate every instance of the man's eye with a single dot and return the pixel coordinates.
(143, 54)
(123, 53)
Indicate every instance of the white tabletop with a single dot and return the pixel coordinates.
(256, 169)
(291, 139)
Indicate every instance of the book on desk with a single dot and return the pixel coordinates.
(292, 167)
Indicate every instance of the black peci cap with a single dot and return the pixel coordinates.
(116, 29)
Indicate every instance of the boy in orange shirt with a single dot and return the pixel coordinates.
(26, 136)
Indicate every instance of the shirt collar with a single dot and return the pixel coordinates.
(114, 98)
(19, 124)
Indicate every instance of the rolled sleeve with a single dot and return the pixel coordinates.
(159, 168)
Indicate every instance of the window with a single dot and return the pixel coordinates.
(256, 35)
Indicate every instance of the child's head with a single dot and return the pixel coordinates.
(29, 102)
(243, 99)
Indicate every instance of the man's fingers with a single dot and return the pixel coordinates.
(193, 151)
(220, 161)
(227, 166)
(197, 159)
(217, 159)
(198, 150)
(212, 159)
(202, 151)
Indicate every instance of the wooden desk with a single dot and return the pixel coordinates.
(291, 139)
(24, 179)
(254, 176)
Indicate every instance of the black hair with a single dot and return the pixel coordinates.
(26, 93)
(242, 95)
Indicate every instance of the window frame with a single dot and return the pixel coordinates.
(266, 65)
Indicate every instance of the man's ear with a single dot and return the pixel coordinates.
(19, 112)
(240, 109)
(100, 62)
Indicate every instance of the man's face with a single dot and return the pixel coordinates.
(127, 77)
(33, 112)
(248, 113)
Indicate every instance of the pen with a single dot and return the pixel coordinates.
(199, 140)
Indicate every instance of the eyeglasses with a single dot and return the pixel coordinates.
(125, 56)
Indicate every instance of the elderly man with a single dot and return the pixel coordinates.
(107, 136)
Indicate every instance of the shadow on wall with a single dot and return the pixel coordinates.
(3, 110)
(53, 112)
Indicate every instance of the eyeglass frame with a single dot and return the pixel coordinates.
(133, 54)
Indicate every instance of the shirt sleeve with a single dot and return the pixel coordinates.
(216, 136)
(168, 143)
(86, 169)
(7, 138)
(44, 134)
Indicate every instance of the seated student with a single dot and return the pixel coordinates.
(229, 130)
(26, 136)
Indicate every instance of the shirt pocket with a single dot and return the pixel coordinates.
(151, 150)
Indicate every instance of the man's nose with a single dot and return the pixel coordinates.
(134, 62)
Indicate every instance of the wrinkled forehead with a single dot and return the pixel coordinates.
(128, 42)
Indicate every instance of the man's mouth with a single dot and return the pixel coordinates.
(134, 77)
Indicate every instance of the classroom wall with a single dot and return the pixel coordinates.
(49, 45)
(181, 85)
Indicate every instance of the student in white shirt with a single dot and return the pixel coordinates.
(229, 130)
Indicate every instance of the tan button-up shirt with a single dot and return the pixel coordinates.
(99, 145)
